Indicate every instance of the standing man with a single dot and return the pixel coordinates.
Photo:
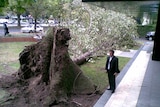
(112, 70)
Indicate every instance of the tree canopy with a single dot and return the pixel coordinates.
(3, 3)
(18, 7)
(98, 28)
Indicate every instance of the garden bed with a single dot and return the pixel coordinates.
(18, 39)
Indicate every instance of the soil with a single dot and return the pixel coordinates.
(16, 98)
(17, 39)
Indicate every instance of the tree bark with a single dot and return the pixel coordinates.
(19, 19)
(83, 58)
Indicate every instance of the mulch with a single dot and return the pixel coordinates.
(18, 39)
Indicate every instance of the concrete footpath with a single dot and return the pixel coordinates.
(138, 83)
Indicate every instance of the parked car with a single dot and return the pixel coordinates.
(30, 29)
(51, 21)
(3, 21)
(150, 35)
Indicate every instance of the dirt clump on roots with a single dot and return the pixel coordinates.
(47, 76)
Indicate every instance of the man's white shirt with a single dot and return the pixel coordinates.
(110, 58)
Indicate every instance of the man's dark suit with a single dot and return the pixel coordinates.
(113, 69)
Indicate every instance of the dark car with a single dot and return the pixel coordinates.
(150, 35)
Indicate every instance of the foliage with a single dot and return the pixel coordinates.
(36, 8)
(41, 8)
(55, 8)
(17, 7)
(130, 8)
(126, 43)
(3, 3)
(96, 27)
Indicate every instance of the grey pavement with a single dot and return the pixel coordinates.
(150, 94)
(137, 84)
(128, 54)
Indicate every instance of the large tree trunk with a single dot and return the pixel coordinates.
(48, 70)
(82, 59)
(87, 55)
(19, 19)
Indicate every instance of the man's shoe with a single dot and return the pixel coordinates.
(113, 91)
(109, 89)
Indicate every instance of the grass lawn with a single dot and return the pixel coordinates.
(22, 34)
(97, 73)
(9, 54)
(17, 34)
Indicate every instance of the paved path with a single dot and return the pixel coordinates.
(137, 84)
(128, 54)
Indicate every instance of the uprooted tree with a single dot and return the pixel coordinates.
(47, 73)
